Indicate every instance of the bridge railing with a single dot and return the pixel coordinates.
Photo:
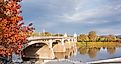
(48, 37)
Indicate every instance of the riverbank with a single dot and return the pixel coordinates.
(98, 44)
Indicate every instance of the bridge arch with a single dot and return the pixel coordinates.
(55, 42)
(36, 50)
(34, 43)
(66, 40)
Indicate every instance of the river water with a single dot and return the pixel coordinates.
(88, 54)
(101, 54)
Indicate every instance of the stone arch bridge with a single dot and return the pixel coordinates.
(44, 47)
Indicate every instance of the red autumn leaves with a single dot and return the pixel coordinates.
(13, 32)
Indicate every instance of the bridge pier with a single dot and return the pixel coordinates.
(45, 53)
(67, 45)
(60, 47)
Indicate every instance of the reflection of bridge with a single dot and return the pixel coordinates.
(44, 47)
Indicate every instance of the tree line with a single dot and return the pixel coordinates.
(93, 37)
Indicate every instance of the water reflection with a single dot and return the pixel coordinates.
(91, 49)
(65, 55)
(111, 50)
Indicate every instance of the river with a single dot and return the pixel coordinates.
(92, 52)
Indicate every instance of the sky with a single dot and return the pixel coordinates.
(73, 16)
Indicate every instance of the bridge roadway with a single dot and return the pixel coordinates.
(45, 47)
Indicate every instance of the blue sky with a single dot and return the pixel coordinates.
(69, 16)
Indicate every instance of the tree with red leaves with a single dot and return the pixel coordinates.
(13, 32)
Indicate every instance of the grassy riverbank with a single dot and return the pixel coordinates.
(98, 44)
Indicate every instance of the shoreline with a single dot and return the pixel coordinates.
(61, 60)
(113, 60)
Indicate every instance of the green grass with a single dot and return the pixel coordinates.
(98, 44)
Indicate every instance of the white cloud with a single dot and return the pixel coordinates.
(78, 16)
(90, 15)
